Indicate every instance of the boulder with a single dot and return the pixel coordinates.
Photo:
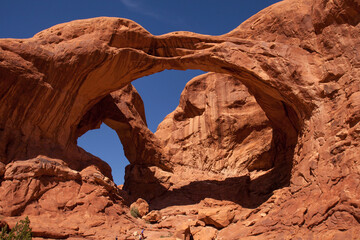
(153, 216)
(183, 231)
(205, 233)
(141, 207)
(219, 217)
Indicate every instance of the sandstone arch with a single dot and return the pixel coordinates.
(79, 63)
(298, 58)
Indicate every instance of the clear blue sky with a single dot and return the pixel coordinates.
(161, 91)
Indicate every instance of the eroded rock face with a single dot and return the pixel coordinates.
(153, 216)
(124, 112)
(140, 206)
(218, 127)
(218, 217)
(50, 188)
(217, 132)
(300, 61)
(47, 189)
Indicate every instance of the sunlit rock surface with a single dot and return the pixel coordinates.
(298, 58)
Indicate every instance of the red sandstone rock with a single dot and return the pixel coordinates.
(183, 232)
(219, 217)
(153, 216)
(124, 112)
(300, 61)
(217, 119)
(229, 137)
(204, 233)
(49, 188)
(40, 166)
(142, 207)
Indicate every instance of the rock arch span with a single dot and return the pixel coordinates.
(65, 70)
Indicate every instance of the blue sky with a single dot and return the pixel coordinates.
(161, 91)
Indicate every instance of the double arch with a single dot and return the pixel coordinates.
(132, 54)
(78, 63)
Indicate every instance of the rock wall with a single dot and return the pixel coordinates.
(218, 131)
(217, 127)
(300, 61)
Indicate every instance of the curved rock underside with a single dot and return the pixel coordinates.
(219, 165)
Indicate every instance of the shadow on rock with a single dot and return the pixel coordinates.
(240, 190)
(248, 191)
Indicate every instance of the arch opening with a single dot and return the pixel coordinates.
(105, 144)
(152, 160)
(165, 54)
(161, 92)
(237, 146)
(133, 54)
(126, 52)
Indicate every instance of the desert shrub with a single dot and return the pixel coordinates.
(21, 231)
(135, 212)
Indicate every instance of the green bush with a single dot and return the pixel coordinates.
(21, 231)
(135, 212)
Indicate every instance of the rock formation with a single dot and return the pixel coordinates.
(213, 127)
(298, 59)
(218, 131)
